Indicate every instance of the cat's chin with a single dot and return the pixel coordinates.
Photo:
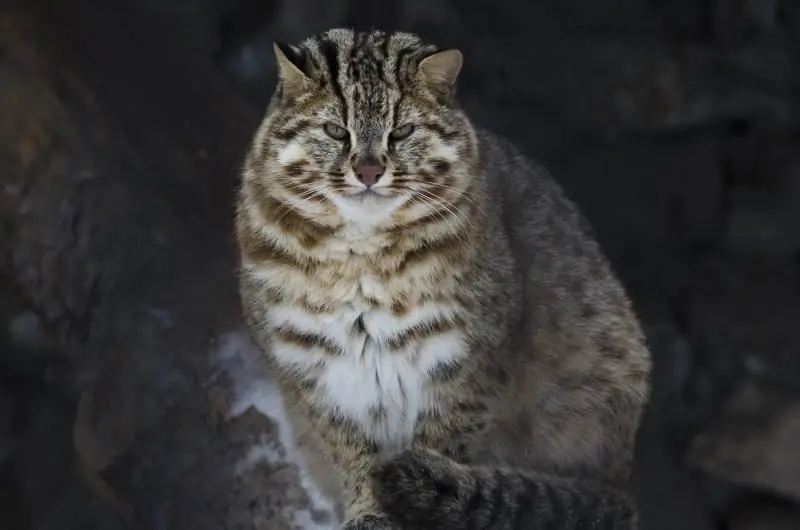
(368, 207)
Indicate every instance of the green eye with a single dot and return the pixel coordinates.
(402, 132)
(336, 132)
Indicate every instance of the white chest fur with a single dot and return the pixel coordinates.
(380, 387)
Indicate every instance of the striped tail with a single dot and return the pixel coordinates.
(420, 489)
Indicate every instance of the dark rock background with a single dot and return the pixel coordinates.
(125, 395)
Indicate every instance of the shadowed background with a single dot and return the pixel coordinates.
(129, 396)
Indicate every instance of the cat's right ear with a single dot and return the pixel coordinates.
(291, 69)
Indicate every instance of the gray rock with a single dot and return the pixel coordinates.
(8, 430)
(775, 516)
(674, 367)
(753, 442)
(25, 330)
(764, 204)
(744, 309)
(668, 496)
(651, 201)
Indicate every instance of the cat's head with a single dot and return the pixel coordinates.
(366, 123)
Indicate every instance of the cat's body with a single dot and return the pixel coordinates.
(460, 308)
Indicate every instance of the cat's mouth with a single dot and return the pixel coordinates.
(372, 193)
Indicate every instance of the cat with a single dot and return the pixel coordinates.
(451, 344)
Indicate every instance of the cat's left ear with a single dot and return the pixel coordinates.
(439, 71)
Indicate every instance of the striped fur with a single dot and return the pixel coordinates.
(459, 305)
(427, 490)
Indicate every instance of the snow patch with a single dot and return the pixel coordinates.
(264, 451)
(236, 354)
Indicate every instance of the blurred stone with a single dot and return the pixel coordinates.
(625, 74)
(753, 442)
(734, 19)
(13, 509)
(105, 421)
(761, 511)
(674, 366)
(120, 153)
(651, 203)
(766, 516)
(44, 465)
(791, 17)
(687, 19)
(252, 62)
(8, 428)
(668, 496)
(745, 310)
(755, 83)
(25, 330)
(29, 346)
(192, 24)
(764, 203)
(764, 223)
(622, 79)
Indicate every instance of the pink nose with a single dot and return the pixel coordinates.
(369, 174)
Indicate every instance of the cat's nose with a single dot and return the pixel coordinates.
(369, 174)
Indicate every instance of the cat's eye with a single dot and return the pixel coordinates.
(402, 132)
(336, 132)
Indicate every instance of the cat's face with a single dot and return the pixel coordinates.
(365, 123)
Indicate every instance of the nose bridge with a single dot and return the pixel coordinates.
(368, 140)
(369, 132)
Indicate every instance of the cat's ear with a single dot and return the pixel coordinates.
(439, 71)
(292, 69)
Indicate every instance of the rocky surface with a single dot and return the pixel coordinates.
(131, 398)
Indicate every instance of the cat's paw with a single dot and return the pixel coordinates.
(416, 480)
(370, 522)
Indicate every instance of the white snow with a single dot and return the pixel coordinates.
(264, 451)
(236, 354)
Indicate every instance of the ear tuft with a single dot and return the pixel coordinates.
(291, 66)
(440, 70)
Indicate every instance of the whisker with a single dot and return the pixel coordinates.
(465, 194)
(402, 179)
(437, 204)
(290, 205)
(452, 209)
(436, 212)
(293, 203)
(462, 216)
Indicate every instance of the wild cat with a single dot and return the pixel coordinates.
(452, 345)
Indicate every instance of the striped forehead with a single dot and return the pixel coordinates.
(363, 58)
(364, 70)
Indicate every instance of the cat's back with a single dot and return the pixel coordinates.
(522, 184)
(565, 269)
(580, 329)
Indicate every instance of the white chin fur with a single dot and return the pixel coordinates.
(366, 210)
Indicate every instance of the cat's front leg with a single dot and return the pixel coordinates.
(354, 456)
(343, 448)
